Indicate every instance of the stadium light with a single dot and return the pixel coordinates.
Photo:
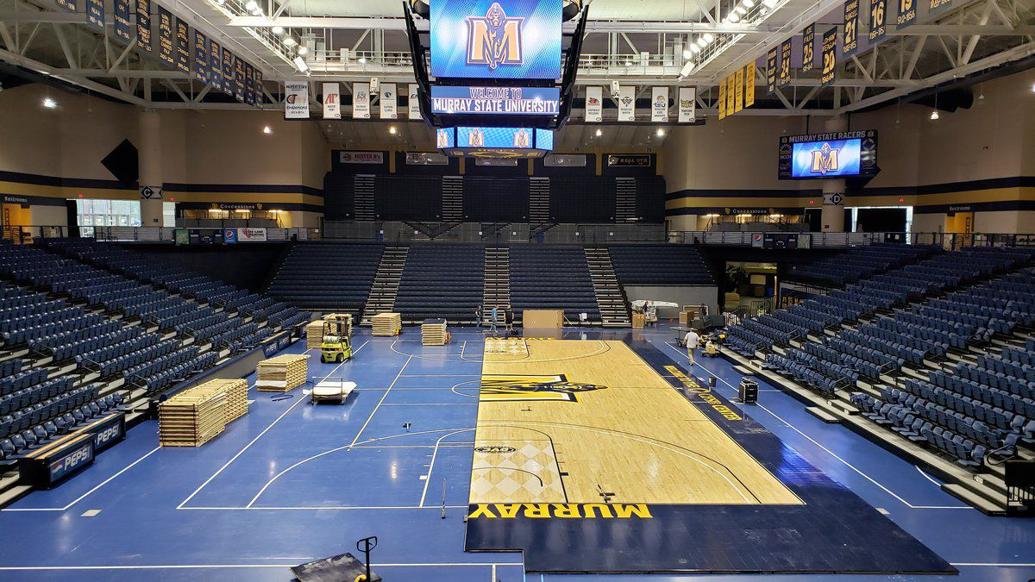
(267, 130)
(660, 132)
(49, 103)
(303, 50)
(687, 54)
(251, 5)
(277, 30)
(708, 38)
(696, 49)
(392, 130)
(289, 41)
(934, 115)
(599, 132)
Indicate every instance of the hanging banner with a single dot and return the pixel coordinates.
(259, 91)
(906, 13)
(784, 77)
(228, 72)
(331, 101)
(361, 100)
(738, 97)
(829, 56)
(389, 105)
(215, 65)
(687, 105)
(627, 103)
(659, 104)
(594, 104)
(166, 47)
(722, 100)
(938, 5)
(200, 57)
(120, 13)
(808, 48)
(731, 94)
(296, 100)
(239, 79)
(414, 102)
(878, 28)
(249, 84)
(95, 12)
(144, 24)
(850, 40)
(770, 71)
(182, 46)
(69, 5)
(749, 84)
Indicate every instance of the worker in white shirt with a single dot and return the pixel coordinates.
(692, 340)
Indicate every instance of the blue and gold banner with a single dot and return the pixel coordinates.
(201, 52)
(770, 71)
(182, 46)
(69, 5)
(95, 12)
(239, 79)
(144, 24)
(120, 12)
(878, 20)
(784, 77)
(808, 48)
(258, 87)
(166, 44)
(228, 72)
(850, 40)
(906, 13)
(249, 84)
(215, 65)
(829, 56)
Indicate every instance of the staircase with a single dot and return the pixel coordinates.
(497, 282)
(386, 283)
(538, 201)
(625, 200)
(610, 299)
(363, 196)
(452, 198)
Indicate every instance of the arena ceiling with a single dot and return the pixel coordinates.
(637, 42)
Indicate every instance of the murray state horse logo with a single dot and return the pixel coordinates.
(552, 387)
(824, 160)
(494, 39)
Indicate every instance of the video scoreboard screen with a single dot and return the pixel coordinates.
(449, 100)
(500, 142)
(832, 155)
(496, 39)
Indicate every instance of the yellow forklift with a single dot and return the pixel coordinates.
(336, 341)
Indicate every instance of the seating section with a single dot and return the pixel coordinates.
(555, 277)
(858, 263)
(441, 281)
(327, 276)
(660, 264)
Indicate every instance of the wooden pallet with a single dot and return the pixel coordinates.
(313, 335)
(282, 373)
(236, 390)
(191, 419)
(433, 332)
(386, 324)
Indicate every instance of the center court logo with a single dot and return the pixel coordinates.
(494, 39)
(824, 160)
(512, 388)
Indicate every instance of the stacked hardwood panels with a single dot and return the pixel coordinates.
(433, 332)
(236, 390)
(282, 373)
(386, 324)
(191, 419)
(313, 334)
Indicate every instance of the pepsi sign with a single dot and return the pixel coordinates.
(496, 39)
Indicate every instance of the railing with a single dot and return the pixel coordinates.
(833, 240)
(28, 234)
(490, 232)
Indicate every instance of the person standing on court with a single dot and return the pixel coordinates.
(508, 319)
(478, 315)
(692, 340)
(494, 319)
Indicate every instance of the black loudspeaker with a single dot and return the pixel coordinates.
(123, 162)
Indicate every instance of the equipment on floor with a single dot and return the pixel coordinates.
(340, 568)
(747, 392)
(712, 342)
(328, 390)
(336, 345)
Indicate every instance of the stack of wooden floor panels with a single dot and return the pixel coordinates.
(199, 414)
(313, 335)
(236, 391)
(386, 324)
(433, 332)
(282, 373)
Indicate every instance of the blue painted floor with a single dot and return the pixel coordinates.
(291, 482)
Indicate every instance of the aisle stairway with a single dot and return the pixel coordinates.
(386, 283)
(452, 198)
(497, 281)
(363, 196)
(610, 299)
(538, 201)
(625, 199)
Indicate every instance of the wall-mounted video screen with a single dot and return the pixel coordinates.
(495, 141)
(846, 154)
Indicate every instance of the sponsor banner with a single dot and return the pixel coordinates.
(66, 462)
(906, 13)
(95, 12)
(107, 432)
(361, 157)
(414, 102)
(749, 84)
(251, 234)
(594, 104)
(296, 100)
(150, 192)
(182, 46)
(201, 52)
(878, 20)
(120, 13)
(496, 39)
(215, 65)
(687, 104)
(496, 162)
(738, 84)
(565, 161)
(331, 101)
(166, 46)
(808, 48)
(144, 24)
(722, 99)
(829, 56)
(229, 236)
(451, 100)
(770, 71)
(426, 159)
(850, 40)
(389, 101)
(361, 100)
(228, 72)
(627, 103)
(628, 160)
(731, 97)
(784, 77)
(659, 104)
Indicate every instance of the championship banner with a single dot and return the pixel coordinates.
(687, 105)
(331, 101)
(165, 36)
(361, 100)
(414, 102)
(69, 5)
(627, 103)
(215, 65)
(182, 46)
(878, 26)
(259, 92)
(850, 40)
(738, 96)
(594, 104)
(829, 56)
(120, 14)
(722, 99)
(389, 105)
(95, 12)
(749, 84)
(228, 72)
(144, 24)
(906, 13)
(808, 48)
(296, 100)
(239, 79)
(201, 53)
(659, 104)
(938, 5)
(784, 78)
(770, 71)
(731, 94)
(249, 84)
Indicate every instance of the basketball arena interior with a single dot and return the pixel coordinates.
(517, 290)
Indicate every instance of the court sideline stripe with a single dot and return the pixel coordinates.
(231, 566)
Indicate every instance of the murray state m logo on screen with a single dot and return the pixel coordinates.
(494, 39)
(824, 160)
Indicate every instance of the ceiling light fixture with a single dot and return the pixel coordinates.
(660, 132)
(687, 54)
(733, 18)
(599, 132)
(739, 10)
(701, 42)
(303, 50)
(708, 38)
(277, 30)
(251, 5)
(49, 103)
(362, 60)
(696, 49)
(267, 130)
(392, 130)
(289, 41)
(769, 3)
(934, 115)
(748, 3)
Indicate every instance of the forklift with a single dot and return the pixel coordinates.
(336, 342)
